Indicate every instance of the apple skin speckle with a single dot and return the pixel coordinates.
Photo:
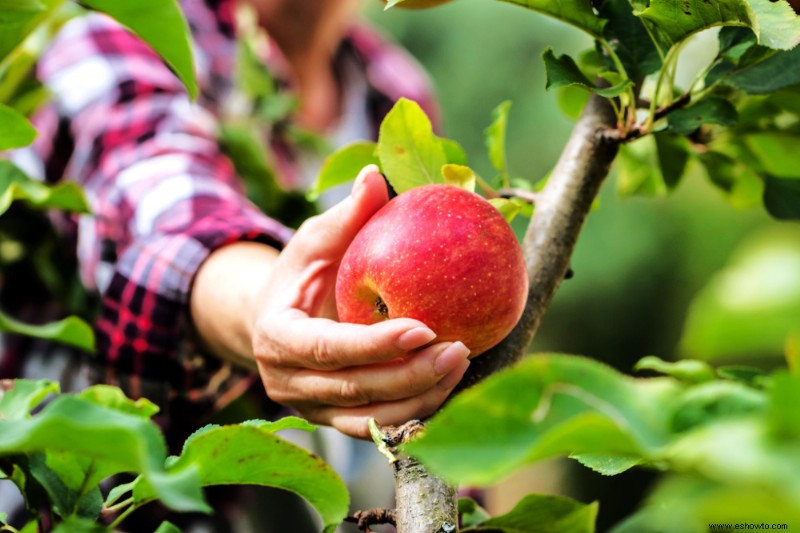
(441, 255)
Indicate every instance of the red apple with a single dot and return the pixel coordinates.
(439, 254)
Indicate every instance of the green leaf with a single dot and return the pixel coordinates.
(572, 100)
(713, 401)
(734, 42)
(750, 307)
(784, 417)
(686, 370)
(167, 527)
(260, 458)
(114, 398)
(459, 176)
(71, 330)
(674, 22)
(774, 72)
(343, 166)
(546, 406)
(652, 165)
(709, 110)
(454, 152)
(742, 186)
(777, 25)
(24, 395)
(17, 19)
(782, 197)
(114, 441)
(66, 500)
(673, 156)
(688, 504)
(509, 208)
(562, 71)
(629, 38)
(607, 465)
(578, 13)
(16, 185)
(16, 131)
(12, 11)
(287, 422)
(160, 23)
(471, 513)
(539, 513)
(776, 153)
(747, 375)
(495, 137)
(410, 154)
(75, 524)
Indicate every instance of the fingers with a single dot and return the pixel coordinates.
(402, 378)
(353, 421)
(330, 233)
(291, 339)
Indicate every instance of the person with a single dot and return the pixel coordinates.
(204, 297)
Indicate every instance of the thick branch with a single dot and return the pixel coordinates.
(561, 208)
(424, 502)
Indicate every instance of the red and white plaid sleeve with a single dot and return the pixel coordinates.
(163, 195)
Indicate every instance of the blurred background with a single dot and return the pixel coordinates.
(640, 262)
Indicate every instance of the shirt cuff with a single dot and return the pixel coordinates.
(142, 328)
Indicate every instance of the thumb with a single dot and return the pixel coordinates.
(332, 231)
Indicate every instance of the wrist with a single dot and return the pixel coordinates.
(226, 298)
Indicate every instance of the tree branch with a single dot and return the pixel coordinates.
(561, 208)
(425, 504)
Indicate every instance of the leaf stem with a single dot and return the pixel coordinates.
(487, 189)
(626, 114)
(117, 506)
(123, 515)
(662, 75)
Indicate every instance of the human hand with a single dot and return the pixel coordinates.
(343, 374)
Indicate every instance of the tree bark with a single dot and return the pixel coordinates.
(561, 208)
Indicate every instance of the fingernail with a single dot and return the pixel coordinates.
(415, 338)
(362, 177)
(452, 379)
(450, 358)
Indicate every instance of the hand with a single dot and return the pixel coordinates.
(342, 374)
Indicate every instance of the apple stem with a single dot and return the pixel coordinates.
(382, 308)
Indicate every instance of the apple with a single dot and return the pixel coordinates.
(439, 254)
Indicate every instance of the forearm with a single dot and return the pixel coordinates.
(226, 297)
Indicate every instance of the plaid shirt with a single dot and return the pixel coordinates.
(163, 195)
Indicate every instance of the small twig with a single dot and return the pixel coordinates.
(522, 194)
(617, 136)
(372, 517)
(393, 436)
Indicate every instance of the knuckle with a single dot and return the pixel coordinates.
(351, 394)
(322, 356)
